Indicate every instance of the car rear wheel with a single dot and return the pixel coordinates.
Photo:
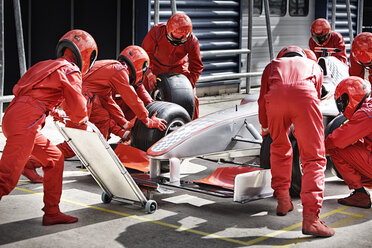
(296, 180)
(333, 125)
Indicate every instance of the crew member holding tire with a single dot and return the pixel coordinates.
(173, 48)
(350, 146)
(128, 112)
(361, 56)
(290, 92)
(123, 76)
(323, 36)
(38, 93)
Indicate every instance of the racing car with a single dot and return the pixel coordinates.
(228, 140)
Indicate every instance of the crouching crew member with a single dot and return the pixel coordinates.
(289, 94)
(350, 146)
(39, 92)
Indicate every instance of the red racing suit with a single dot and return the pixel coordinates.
(128, 113)
(289, 94)
(99, 83)
(358, 70)
(335, 41)
(350, 147)
(165, 58)
(42, 88)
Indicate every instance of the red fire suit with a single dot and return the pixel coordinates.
(166, 58)
(128, 113)
(99, 83)
(40, 90)
(350, 147)
(290, 93)
(335, 41)
(358, 70)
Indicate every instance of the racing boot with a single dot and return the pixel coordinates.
(284, 205)
(58, 218)
(360, 199)
(312, 225)
(30, 171)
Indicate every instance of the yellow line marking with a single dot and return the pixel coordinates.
(340, 223)
(355, 215)
(201, 233)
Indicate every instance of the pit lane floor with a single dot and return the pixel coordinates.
(184, 218)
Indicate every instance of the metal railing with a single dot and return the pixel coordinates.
(227, 76)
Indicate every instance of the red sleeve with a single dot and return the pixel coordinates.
(261, 100)
(195, 63)
(75, 102)
(339, 42)
(114, 110)
(149, 43)
(144, 95)
(120, 82)
(357, 128)
(116, 129)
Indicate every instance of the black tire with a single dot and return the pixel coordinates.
(333, 125)
(175, 88)
(265, 152)
(176, 116)
(296, 180)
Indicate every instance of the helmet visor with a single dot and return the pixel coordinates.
(145, 68)
(320, 39)
(342, 102)
(177, 41)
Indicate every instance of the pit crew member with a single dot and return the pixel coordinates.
(289, 94)
(323, 36)
(39, 91)
(173, 48)
(350, 146)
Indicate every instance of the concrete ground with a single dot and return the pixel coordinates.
(183, 218)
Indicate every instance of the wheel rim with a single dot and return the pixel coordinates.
(157, 95)
(174, 125)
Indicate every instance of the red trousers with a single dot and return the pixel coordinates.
(354, 163)
(297, 105)
(22, 122)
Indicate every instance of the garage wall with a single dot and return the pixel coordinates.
(110, 22)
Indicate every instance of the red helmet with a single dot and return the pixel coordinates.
(361, 49)
(179, 27)
(291, 51)
(82, 45)
(310, 54)
(138, 62)
(350, 93)
(321, 31)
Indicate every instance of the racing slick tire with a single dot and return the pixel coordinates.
(175, 88)
(296, 178)
(175, 115)
(333, 125)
